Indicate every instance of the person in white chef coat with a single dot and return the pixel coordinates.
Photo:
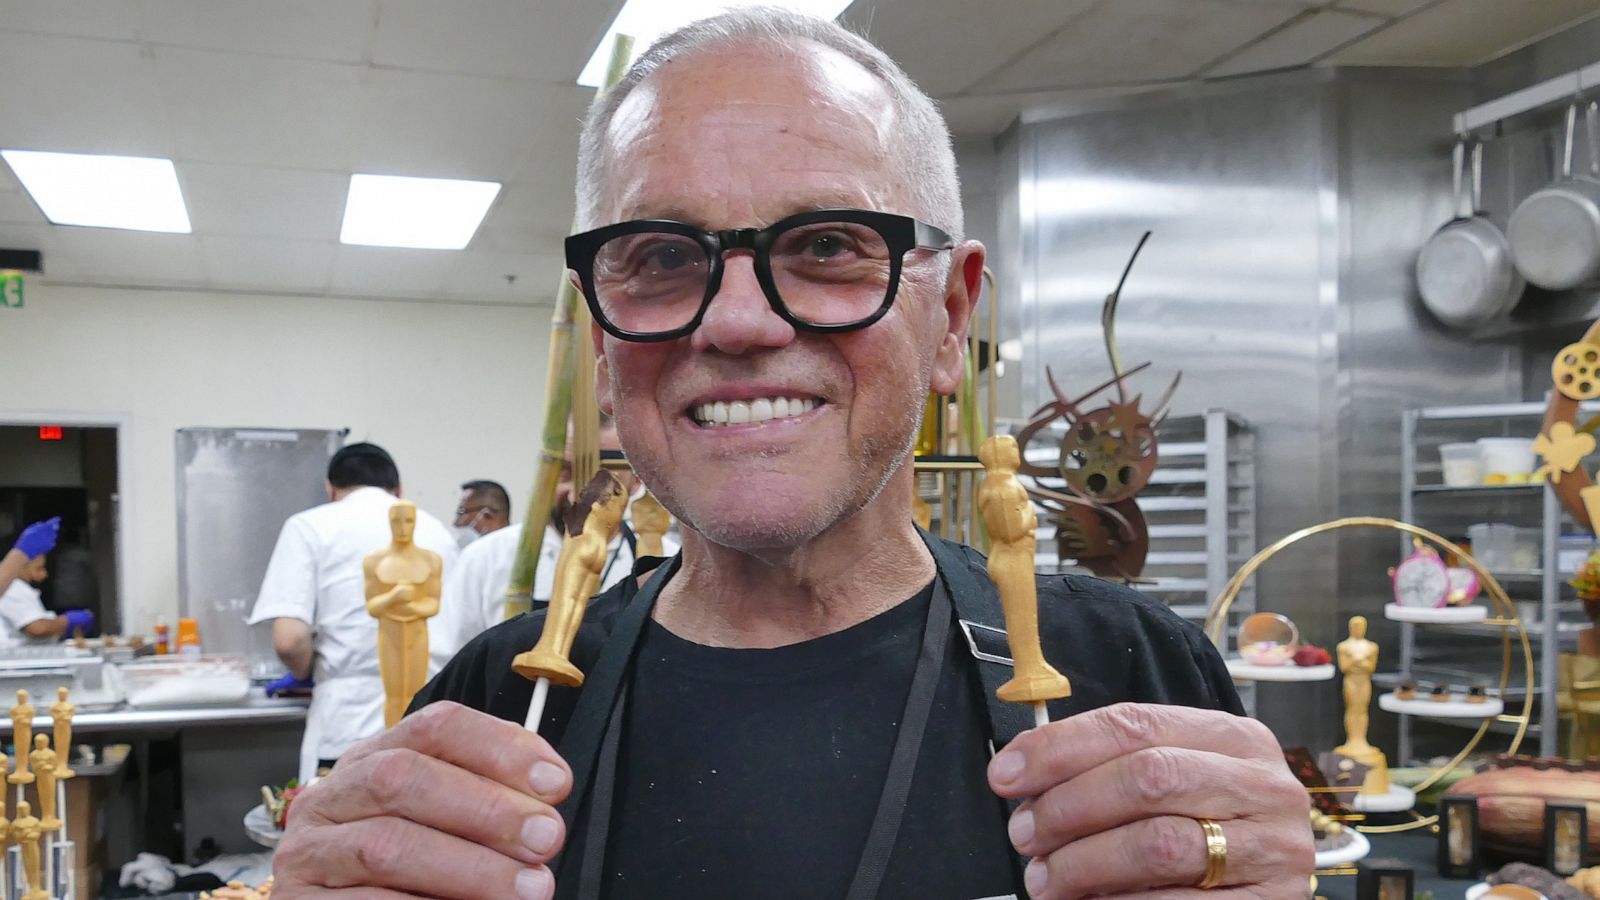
(23, 618)
(479, 580)
(313, 595)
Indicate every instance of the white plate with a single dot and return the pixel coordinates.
(1399, 799)
(1456, 707)
(1354, 851)
(258, 825)
(1479, 889)
(1452, 615)
(1244, 671)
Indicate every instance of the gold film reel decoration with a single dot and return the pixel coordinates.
(1576, 371)
(1503, 614)
(1561, 438)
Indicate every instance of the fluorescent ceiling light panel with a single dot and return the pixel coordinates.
(421, 213)
(646, 20)
(134, 192)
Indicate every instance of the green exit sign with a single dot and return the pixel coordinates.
(10, 290)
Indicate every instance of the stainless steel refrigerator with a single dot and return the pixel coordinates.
(236, 486)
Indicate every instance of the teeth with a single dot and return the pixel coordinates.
(739, 412)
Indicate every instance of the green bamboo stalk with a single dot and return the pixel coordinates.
(559, 378)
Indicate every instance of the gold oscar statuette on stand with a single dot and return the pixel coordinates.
(403, 583)
(1012, 525)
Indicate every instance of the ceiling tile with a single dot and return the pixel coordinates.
(1385, 7)
(1298, 43)
(81, 96)
(1464, 32)
(263, 201)
(1139, 41)
(16, 207)
(947, 45)
(481, 275)
(546, 41)
(990, 114)
(456, 126)
(267, 263)
(337, 30)
(133, 257)
(389, 271)
(235, 108)
(113, 19)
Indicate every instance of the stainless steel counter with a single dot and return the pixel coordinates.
(254, 711)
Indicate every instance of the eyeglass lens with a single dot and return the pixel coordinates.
(826, 273)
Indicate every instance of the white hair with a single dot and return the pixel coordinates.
(922, 139)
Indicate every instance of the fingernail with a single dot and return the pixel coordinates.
(540, 834)
(534, 884)
(547, 778)
(1006, 767)
(1021, 829)
(1035, 877)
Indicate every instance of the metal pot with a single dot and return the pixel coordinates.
(1464, 272)
(1555, 232)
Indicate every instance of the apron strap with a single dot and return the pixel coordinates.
(580, 744)
(907, 745)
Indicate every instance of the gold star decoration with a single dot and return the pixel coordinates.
(1562, 449)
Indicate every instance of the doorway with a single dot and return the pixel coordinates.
(69, 471)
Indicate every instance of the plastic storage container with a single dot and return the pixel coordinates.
(1506, 455)
(206, 681)
(1462, 464)
(1502, 548)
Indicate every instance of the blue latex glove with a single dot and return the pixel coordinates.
(289, 684)
(77, 619)
(39, 538)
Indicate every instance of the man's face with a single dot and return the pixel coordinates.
(35, 571)
(475, 511)
(741, 138)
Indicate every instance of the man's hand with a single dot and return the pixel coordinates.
(1114, 794)
(450, 803)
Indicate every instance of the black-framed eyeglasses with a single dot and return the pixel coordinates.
(825, 270)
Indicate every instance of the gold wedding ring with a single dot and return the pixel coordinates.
(1216, 854)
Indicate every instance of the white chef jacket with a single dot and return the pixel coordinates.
(479, 580)
(315, 576)
(19, 608)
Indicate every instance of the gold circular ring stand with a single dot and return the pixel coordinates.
(1505, 616)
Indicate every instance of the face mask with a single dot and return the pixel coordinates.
(465, 534)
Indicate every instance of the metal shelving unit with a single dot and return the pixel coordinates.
(1456, 651)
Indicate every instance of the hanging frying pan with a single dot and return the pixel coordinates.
(1464, 272)
(1555, 232)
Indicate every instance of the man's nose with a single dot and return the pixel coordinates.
(739, 318)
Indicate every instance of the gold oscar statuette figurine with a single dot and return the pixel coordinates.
(577, 575)
(1358, 659)
(44, 768)
(1008, 515)
(26, 831)
(5, 823)
(22, 728)
(403, 582)
(650, 522)
(61, 712)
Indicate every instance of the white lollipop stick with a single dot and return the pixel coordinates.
(541, 691)
(1041, 715)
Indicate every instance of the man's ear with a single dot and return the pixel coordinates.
(602, 370)
(962, 288)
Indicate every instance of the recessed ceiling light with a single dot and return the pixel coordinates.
(134, 192)
(646, 20)
(422, 213)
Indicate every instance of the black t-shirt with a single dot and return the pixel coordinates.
(744, 773)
